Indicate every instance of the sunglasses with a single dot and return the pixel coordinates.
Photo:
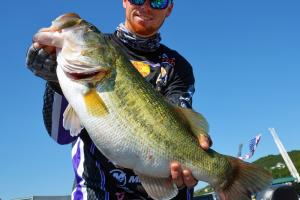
(155, 4)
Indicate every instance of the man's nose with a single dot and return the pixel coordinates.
(146, 6)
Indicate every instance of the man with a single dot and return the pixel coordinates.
(169, 73)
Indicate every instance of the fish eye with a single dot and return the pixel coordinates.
(93, 28)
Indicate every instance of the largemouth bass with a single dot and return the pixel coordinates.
(130, 123)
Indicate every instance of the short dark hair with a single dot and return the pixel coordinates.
(285, 192)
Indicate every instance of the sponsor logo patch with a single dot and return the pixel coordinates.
(123, 178)
(142, 67)
(120, 176)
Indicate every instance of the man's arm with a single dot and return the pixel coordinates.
(179, 91)
(41, 60)
(53, 108)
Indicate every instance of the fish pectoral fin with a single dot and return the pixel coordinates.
(94, 104)
(71, 121)
(159, 188)
(196, 121)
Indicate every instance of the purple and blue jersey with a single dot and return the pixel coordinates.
(96, 177)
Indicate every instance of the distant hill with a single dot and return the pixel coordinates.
(276, 165)
(273, 163)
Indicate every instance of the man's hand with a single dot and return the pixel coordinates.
(41, 60)
(205, 142)
(183, 177)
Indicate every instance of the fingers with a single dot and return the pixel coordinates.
(54, 39)
(42, 61)
(38, 55)
(176, 174)
(205, 142)
(49, 49)
(188, 178)
(50, 64)
(182, 177)
(37, 45)
(31, 54)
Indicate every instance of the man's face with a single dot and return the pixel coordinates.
(144, 20)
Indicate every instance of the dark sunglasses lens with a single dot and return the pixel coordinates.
(159, 4)
(137, 2)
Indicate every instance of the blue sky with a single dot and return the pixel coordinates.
(246, 60)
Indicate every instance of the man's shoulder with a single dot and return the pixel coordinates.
(167, 49)
(175, 54)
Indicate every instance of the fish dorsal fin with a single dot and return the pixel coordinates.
(158, 188)
(196, 121)
(71, 121)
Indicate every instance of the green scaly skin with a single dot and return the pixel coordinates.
(155, 121)
(152, 118)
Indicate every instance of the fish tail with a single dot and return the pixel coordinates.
(246, 179)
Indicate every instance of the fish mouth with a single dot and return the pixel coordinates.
(96, 75)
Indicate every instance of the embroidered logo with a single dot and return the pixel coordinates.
(167, 65)
(165, 59)
(120, 176)
(134, 179)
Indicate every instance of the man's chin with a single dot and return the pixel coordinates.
(142, 30)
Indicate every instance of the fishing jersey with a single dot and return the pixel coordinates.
(96, 177)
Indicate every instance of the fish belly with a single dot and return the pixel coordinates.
(112, 135)
(116, 141)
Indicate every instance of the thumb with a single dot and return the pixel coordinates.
(54, 39)
(204, 141)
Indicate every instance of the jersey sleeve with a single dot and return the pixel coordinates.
(54, 105)
(180, 88)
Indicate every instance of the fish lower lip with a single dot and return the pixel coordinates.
(78, 76)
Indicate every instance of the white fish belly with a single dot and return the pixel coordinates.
(113, 135)
(116, 141)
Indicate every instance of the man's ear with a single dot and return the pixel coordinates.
(169, 11)
(124, 3)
